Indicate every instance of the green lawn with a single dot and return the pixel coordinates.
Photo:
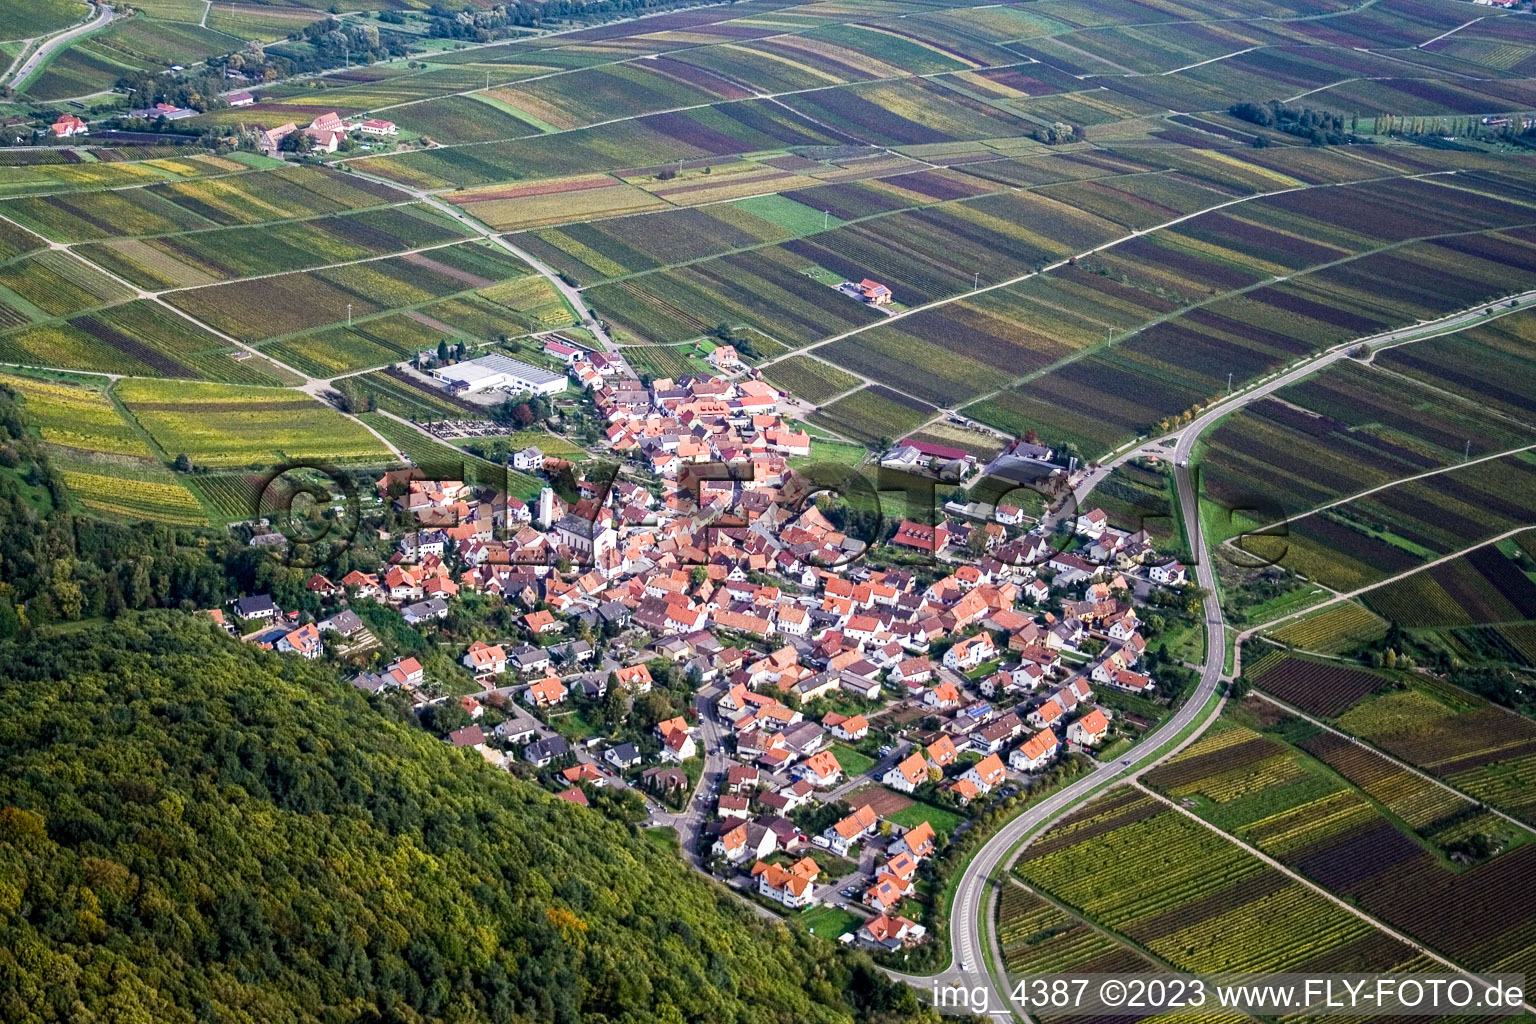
(944, 822)
(787, 213)
(664, 836)
(829, 922)
(853, 762)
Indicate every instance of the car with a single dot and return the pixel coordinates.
(1126, 762)
(885, 750)
(965, 965)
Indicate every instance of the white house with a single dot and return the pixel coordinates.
(986, 773)
(793, 887)
(530, 458)
(482, 659)
(1035, 753)
(1089, 730)
(846, 834)
(969, 653)
(908, 774)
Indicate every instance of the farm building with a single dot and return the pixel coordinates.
(491, 372)
(874, 293)
(68, 125)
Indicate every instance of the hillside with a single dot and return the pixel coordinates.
(192, 830)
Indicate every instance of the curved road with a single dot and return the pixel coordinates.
(104, 14)
(973, 893)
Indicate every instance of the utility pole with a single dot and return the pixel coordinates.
(1468, 453)
(826, 219)
(1229, 382)
(975, 280)
(349, 314)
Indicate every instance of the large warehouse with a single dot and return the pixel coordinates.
(491, 372)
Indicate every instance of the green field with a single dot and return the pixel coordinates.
(220, 426)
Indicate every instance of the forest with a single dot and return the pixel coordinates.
(196, 830)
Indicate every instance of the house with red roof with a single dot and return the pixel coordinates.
(874, 293)
(68, 125)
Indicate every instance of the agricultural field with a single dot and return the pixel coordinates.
(1039, 937)
(1346, 430)
(1334, 630)
(40, 17)
(283, 193)
(872, 413)
(1399, 528)
(1490, 361)
(1361, 826)
(1194, 314)
(94, 62)
(1479, 588)
(385, 339)
(18, 179)
(809, 378)
(269, 307)
(144, 495)
(220, 426)
(1316, 687)
(1194, 897)
(195, 258)
(1484, 751)
(137, 338)
(55, 284)
(75, 417)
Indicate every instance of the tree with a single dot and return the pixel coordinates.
(235, 734)
(523, 414)
(183, 464)
(442, 350)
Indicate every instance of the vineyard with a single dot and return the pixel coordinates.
(160, 501)
(232, 498)
(74, 417)
(219, 426)
(1036, 936)
(1315, 687)
(1193, 897)
(1368, 829)
(1334, 630)
(1480, 587)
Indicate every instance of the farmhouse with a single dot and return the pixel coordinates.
(874, 293)
(377, 126)
(68, 125)
(494, 371)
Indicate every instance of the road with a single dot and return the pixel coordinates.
(973, 894)
(974, 891)
(570, 293)
(104, 14)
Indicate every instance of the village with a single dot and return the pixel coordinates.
(813, 714)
